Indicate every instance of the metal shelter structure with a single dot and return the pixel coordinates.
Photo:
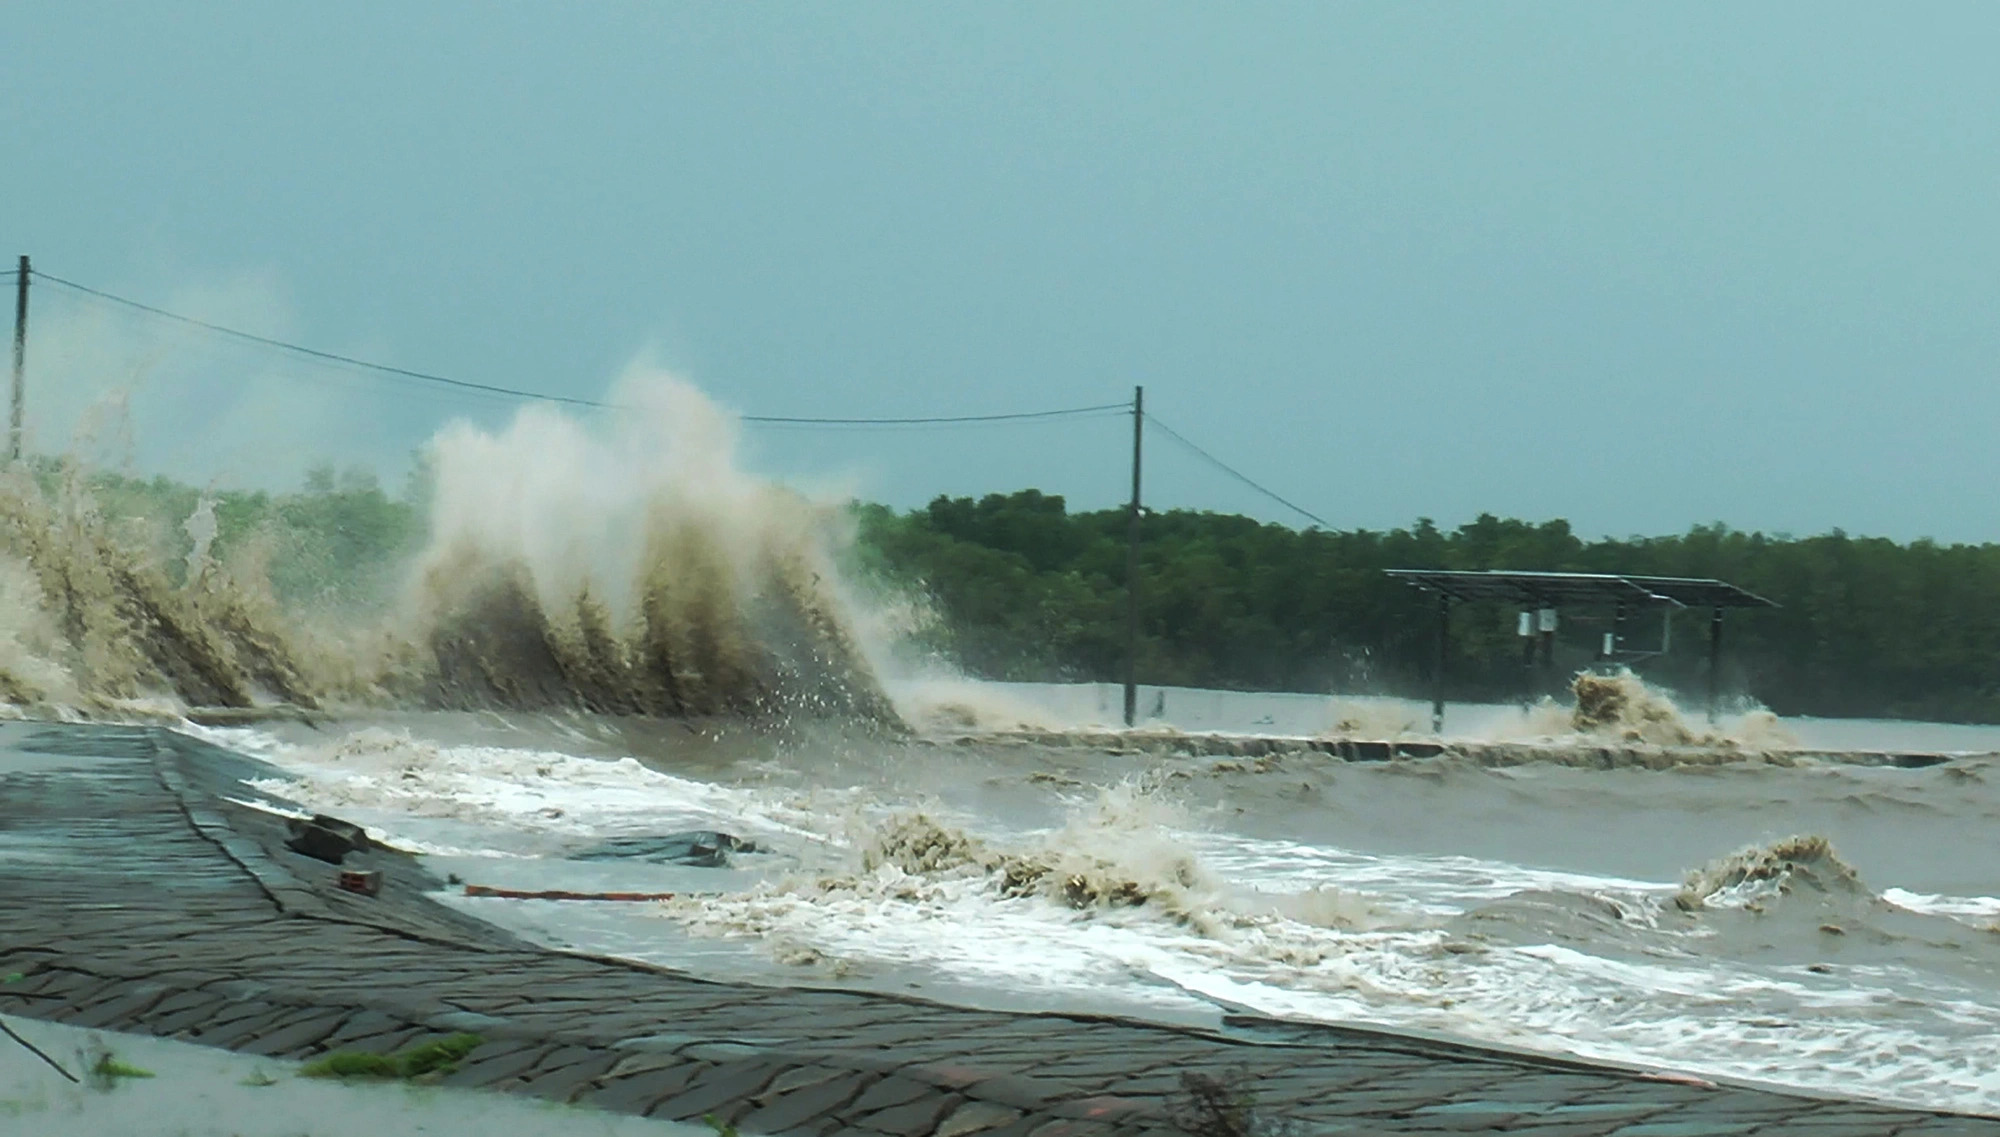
(1550, 591)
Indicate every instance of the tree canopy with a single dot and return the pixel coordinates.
(1027, 590)
(1022, 588)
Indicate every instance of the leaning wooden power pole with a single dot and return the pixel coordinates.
(20, 357)
(1132, 565)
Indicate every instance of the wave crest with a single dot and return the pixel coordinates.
(1760, 872)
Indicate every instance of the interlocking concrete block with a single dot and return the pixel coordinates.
(1108, 1108)
(722, 1085)
(494, 1063)
(639, 1090)
(788, 1112)
(976, 1117)
(912, 1119)
(120, 1010)
(893, 1090)
(296, 1036)
(800, 1077)
(568, 1082)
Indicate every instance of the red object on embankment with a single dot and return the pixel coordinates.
(562, 894)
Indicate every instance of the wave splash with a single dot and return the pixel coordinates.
(97, 625)
(1622, 707)
(1113, 855)
(632, 570)
(1760, 873)
(1117, 859)
(626, 566)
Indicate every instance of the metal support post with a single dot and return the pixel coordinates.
(1715, 663)
(1546, 619)
(1525, 629)
(1437, 676)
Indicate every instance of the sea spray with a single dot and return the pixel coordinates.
(121, 628)
(629, 566)
(1376, 720)
(30, 674)
(942, 702)
(1622, 705)
(624, 565)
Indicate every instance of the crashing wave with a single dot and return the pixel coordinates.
(1759, 873)
(627, 568)
(916, 845)
(98, 623)
(1117, 853)
(1622, 705)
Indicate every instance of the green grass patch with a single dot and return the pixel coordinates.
(441, 1056)
(109, 1068)
(351, 1064)
(436, 1058)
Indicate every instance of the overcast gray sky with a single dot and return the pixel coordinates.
(1635, 265)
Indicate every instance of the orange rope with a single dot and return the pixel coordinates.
(562, 894)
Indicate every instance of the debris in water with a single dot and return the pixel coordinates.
(325, 838)
(704, 848)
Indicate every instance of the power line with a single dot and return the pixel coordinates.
(781, 421)
(315, 353)
(1078, 414)
(570, 400)
(1235, 473)
(939, 420)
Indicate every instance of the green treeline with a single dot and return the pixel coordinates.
(1024, 589)
(1027, 590)
(338, 543)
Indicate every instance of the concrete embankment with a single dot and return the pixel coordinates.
(1607, 754)
(139, 898)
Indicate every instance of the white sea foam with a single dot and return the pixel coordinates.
(1980, 909)
(390, 773)
(1223, 938)
(1159, 908)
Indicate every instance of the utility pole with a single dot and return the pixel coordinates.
(20, 356)
(1132, 565)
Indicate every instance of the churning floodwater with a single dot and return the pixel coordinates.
(1811, 924)
(611, 631)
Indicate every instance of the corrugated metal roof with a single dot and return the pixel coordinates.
(1554, 589)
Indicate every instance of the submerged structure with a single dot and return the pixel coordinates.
(1542, 595)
